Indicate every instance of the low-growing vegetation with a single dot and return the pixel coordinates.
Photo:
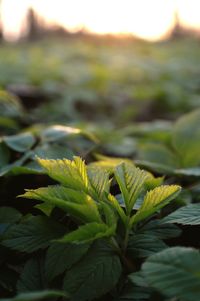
(100, 171)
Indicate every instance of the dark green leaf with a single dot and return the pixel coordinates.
(160, 229)
(88, 233)
(143, 245)
(61, 256)
(175, 272)
(34, 233)
(187, 215)
(20, 142)
(96, 274)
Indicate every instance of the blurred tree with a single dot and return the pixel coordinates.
(32, 23)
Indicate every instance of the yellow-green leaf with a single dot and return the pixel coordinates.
(154, 200)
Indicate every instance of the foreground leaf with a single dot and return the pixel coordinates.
(78, 204)
(61, 257)
(94, 276)
(175, 272)
(143, 245)
(72, 174)
(88, 233)
(131, 181)
(34, 233)
(154, 200)
(187, 215)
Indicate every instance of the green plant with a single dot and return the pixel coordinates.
(99, 238)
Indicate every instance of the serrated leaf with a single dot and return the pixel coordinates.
(160, 229)
(187, 215)
(78, 204)
(99, 183)
(175, 272)
(88, 233)
(96, 274)
(20, 142)
(72, 174)
(32, 234)
(131, 181)
(144, 245)
(154, 200)
(62, 256)
(32, 276)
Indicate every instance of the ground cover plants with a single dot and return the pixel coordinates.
(100, 199)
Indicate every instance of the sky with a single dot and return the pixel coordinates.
(148, 19)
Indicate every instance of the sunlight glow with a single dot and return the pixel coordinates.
(149, 19)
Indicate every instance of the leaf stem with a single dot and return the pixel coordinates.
(126, 237)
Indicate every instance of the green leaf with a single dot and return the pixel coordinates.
(57, 132)
(78, 204)
(88, 233)
(109, 214)
(32, 234)
(32, 276)
(20, 142)
(131, 181)
(99, 183)
(138, 290)
(159, 154)
(144, 245)
(154, 200)
(160, 168)
(115, 204)
(72, 174)
(175, 272)
(36, 296)
(187, 215)
(53, 151)
(61, 257)
(95, 275)
(186, 139)
(160, 229)
(9, 167)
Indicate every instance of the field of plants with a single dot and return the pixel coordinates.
(100, 170)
